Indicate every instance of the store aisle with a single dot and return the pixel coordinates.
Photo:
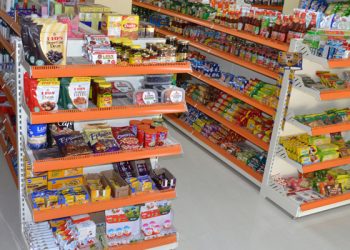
(216, 209)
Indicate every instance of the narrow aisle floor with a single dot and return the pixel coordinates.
(216, 209)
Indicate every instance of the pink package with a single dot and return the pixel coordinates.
(73, 26)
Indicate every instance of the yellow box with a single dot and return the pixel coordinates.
(58, 174)
(63, 183)
(117, 25)
(98, 194)
(36, 183)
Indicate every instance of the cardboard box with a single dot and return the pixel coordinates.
(56, 184)
(36, 183)
(123, 190)
(117, 25)
(163, 184)
(95, 194)
(122, 225)
(58, 174)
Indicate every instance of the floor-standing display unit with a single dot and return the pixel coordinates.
(305, 100)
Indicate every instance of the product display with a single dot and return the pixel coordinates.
(233, 110)
(312, 149)
(88, 89)
(74, 93)
(329, 117)
(231, 142)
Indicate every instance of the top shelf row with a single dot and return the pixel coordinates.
(241, 34)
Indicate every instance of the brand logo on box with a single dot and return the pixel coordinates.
(130, 25)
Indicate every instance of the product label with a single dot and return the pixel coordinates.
(79, 90)
(47, 94)
(176, 96)
(149, 97)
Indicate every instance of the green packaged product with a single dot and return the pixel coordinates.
(325, 148)
(74, 93)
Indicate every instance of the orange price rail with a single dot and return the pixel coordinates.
(148, 244)
(7, 46)
(341, 127)
(231, 58)
(327, 95)
(108, 70)
(8, 160)
(236, 128)
(325, 202)
(234, 93)
(92, 207)
(217, 148)
(326, 165)
(268, 7)
(8, 94)
(105, 113)
(11, 22)
(104, 158)
(339, 63)
(211, 25)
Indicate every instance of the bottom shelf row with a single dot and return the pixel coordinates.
(134, 227)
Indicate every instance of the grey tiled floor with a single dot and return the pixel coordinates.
(216, 209)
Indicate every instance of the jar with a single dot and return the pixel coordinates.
(104, 95)
(171, 40)
(172, 52)
(182, 50)
(135, 56)
(153, 57)
(162, 55)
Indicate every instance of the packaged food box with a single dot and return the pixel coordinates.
(117, 25)
(98, 187)
(119, 186)
(36, 183)
(57, 174)
(62, 183)
(122, 225)
(163, 179)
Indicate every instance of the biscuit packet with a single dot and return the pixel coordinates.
(75, 92)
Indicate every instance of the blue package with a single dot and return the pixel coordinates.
(37, 136)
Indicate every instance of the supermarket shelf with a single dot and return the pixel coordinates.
(104, 113)
(231, 58)
(10, 132)
(326, 129)
(281, 152)
(212, 25)
(108, 70)
(328, 64)
(5, 43)
(223, 87)
(168, 242)
(222, 154)
(236, 128)
(277, 194)
(8, 94)
(92, 207)
(268, 7)
(322, 95)
(8, 160)
(11, 22)
(326, 202)
(171, 148)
